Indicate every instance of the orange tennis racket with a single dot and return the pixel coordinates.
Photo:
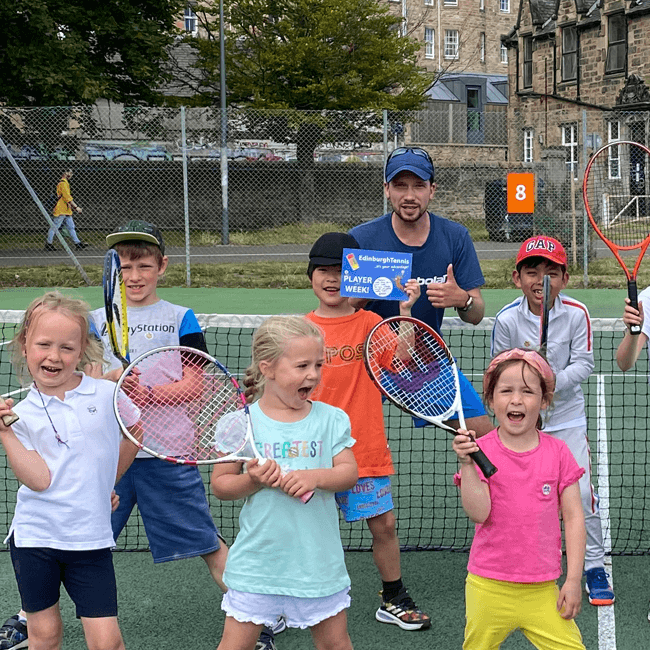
(616, 196)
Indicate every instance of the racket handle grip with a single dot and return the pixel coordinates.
(484, 463)
(634, 302)
(8, 419)
(306, 497)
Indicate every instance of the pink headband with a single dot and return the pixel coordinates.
(531, 357)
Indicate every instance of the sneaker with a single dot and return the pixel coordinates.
(80, 244)
(280, 625)
(13, 634)
(49, 247)
(598, 587)
(402, 611)
(266, 640)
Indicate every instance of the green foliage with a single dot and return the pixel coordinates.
(71, 52)
(312, 55)
(316, 70)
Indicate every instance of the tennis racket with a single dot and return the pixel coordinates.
(615, 192)
(411, 365)
(115, 307)
(192, 410)
(8, 419)
(545, 314)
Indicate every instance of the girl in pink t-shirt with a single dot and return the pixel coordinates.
(516, 554)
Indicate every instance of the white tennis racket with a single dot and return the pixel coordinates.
(192, 410)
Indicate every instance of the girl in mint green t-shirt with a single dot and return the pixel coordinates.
(287, 559)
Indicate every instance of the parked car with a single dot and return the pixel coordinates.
(500, 225)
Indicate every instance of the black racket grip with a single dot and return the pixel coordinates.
(634, 302)
(484, 463)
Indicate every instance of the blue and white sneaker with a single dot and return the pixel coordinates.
(13, 634)
(266, 640)
(598, 587)
(280, 625)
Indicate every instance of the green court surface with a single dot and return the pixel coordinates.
(177, 604)
(602, 303)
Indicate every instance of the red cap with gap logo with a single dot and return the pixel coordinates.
(543, 246)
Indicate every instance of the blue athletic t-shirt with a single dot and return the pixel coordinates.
(448, 243)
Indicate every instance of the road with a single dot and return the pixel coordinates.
(233, 254)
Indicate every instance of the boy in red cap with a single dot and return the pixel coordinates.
(570, 354)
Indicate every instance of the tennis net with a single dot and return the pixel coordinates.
(427, 507)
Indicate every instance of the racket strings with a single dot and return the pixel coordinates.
(418, 374)
(617, 193)
(182, 401)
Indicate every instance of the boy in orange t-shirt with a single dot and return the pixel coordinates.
(346, 384)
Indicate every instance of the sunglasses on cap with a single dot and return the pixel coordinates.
(400, 151)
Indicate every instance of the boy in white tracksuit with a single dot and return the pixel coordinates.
(570, 354)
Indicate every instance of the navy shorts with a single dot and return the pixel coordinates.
(472, 404)
(173, 505)
(88, 577)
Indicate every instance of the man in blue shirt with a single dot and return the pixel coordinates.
(444, 258)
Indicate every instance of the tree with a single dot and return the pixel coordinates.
(71, 52)
(311, 55)
(308, 62)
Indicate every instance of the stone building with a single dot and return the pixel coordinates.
(576, 76)
(458, 35)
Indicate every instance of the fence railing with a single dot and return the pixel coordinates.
(290, 175)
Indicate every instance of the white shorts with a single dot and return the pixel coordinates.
(264, 609)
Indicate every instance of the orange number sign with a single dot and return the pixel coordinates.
(521, 193)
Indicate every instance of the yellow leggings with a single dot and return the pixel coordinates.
(494, 609)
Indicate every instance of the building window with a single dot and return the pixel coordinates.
(614, 163)
(451, 43)
(482, 47)
(614, 134)
(616, 43)
(569, 54)
(191, 23)
(504, 6)
(570, 141)
(504, 54)
(528, 145)
(481, 5)
(428, 3)
(429, 40)
(527, 72)
(475, 134)
(450, 3)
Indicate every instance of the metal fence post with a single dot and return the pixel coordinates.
(224, 129)
(585, 221)
(385, 113)
(186, 199)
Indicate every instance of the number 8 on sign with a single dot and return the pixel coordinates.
(521, 193)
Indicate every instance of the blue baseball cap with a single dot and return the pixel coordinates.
(409, 159)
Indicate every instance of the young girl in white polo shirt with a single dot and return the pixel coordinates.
(67, 451)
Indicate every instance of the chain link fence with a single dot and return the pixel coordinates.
(289, 173)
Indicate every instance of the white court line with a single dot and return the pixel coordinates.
(606, 617)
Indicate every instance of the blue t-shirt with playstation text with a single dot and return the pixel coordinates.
(448, 243)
